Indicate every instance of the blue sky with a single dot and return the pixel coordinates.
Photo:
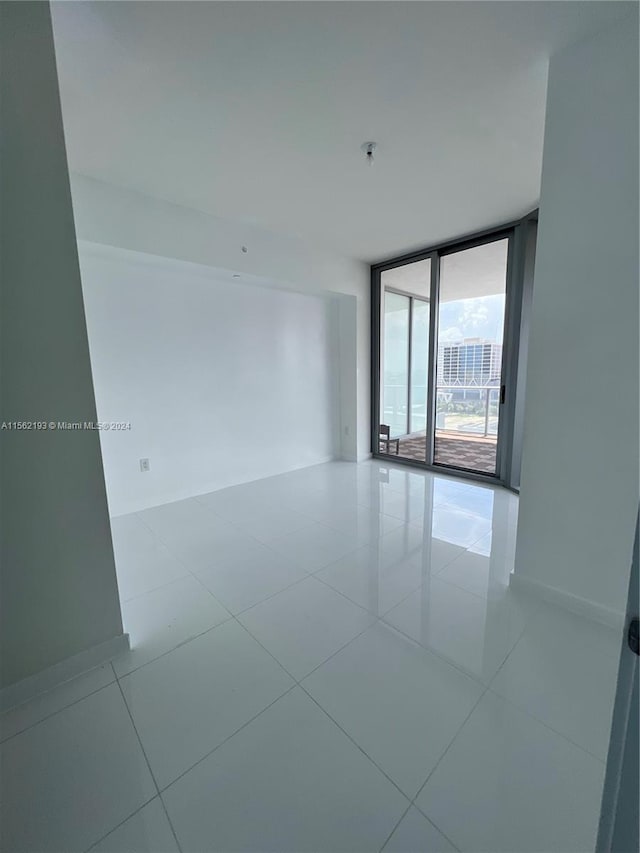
(479, 317)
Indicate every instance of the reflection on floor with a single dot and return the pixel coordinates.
(327, 660)
(474, 454)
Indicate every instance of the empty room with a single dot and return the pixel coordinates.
(320, 426)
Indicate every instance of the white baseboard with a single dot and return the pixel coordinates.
(574, 603)
(41, 682)
(351, 457)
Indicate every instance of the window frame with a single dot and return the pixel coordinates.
(508, 450)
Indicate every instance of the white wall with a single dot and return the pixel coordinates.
(579, 488)
(113, 216)
(223, 381)
(59, 593)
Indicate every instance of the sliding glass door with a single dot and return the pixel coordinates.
(404, 373)
(469, 384)
(440, 391)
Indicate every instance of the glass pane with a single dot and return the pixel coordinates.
(413, 279)
(469, 356)
(419, 366)
(405, 354)
(395, 368)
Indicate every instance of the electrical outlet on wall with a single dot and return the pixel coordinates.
(346, 430)
(144, 465)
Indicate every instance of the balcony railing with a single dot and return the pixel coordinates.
(462, 410)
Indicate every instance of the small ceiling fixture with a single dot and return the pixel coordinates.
(369, 151)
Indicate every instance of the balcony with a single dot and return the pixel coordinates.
(466, 430)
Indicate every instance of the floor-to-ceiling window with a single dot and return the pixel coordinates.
(395, 370)
(471, 313)
(446, 344)
(406, 316)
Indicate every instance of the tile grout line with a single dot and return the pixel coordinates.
(525, 710)
(139, 809)
(377, 618)
(266, 545)
(309, 574)
(216, 517)
(170, 822)
(422, 814)
(297, 683)
(230, 616)
(322, 663)
(178, 646)
(388, 838)
(545, 725)
(228, 738)
(351, 600)
(434, 652)
(262, 600)
(514, 706)
(122, 822)
(345, 596)
(58, 710)
(314, 572)
(293, 687)
(439, 761)
(146, 758)
(355, 743)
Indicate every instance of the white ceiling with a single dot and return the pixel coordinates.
(256, 111)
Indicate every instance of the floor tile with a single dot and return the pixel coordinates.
(407, 506)
(186, 703)
(470, 632)
(481, 574)
(204, 549)
(415, 834)
(196, 536)
(269, 523)
(233, 502)
(381, 575)
(305, 624)
(253, 510)
(241, 583)
(372, 580)
(314, 546)
(364, 524)
(508, 784)
(23, 716)
(473, 499)
(147, 831)
(482, 546)
(143, 563)
(400, 703)
(70, 779)
(289, 781)
(317, 505)
(410, 541)
(457, 527)
(565, 625)
(403, 480)
(173, 521)
(159, 621)
(387, 591)
(563, 680)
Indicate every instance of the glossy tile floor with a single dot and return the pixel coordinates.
(327, 660)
